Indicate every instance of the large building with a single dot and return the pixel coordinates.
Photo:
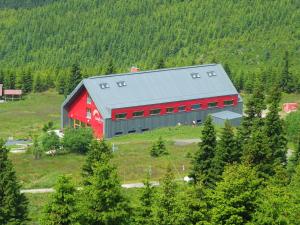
(141, 101)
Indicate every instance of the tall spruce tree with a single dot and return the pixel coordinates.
(38, 85)
(61, 208)
(234, 198)
(167, 211)
(145, 211)
(202, 170)
(286, 83)
(98, 152)
(60, 84)
(257, 152)
(13, 204)
(73, 79)
(274, 129)
(254, 108)
(102, 201)
(227, 149)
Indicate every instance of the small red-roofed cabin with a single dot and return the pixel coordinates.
(290, 107)
(12, 94)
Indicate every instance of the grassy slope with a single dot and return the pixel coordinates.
(19, 118)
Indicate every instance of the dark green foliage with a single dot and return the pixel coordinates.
(73, 79)
(60, 84)
(61, 208)
(274, 129)
(9, 81)
(234, 199)
(38, 85)
(203, 160)
(293, 161)
(287, 82)
(167, 211)
(77, 140)
(257, 151)
(36, 148)
(25, 82)
(227, 149)
(140, 34)
(13, 204)
(50, 142)
(98, 151)
(159, 148)
(102, 201)
(145, 211)
(48, 126)
(197, 205)
(160, 64)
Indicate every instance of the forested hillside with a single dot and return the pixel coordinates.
(49, 36)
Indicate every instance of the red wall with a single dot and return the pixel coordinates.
(175, 105)
(78, 109)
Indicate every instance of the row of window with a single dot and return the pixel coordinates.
(154, 112)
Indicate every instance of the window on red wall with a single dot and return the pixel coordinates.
(121, 116)
(170, 110)
(181, 108)
(196, 106)
(138, 114)
(155, 112)
(88, 100)
(229, 102)
(88, 113)
(212, 104)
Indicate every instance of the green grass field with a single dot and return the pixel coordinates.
(20, 118)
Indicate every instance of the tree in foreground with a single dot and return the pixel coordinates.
(102, 201)
(203, 160)
(145, 213)
(234, 199)
(13, 204)
(167, 210)
(61, 208)
(294, 159)
(227, 149)
(98, 152)
(274, 129)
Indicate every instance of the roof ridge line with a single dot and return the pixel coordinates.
(150, 71)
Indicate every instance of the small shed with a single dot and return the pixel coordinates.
(12, 94)
(290, 107)
(219, 118)
(1, 86)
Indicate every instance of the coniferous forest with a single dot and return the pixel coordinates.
(250, 37)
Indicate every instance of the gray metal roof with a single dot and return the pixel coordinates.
(157, 86)
(227, 115)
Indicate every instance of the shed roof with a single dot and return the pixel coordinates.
(227, 115)
(156, 86)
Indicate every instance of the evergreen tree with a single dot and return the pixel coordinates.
(228, 70)
(159, 148)
(257, 152)
(98, 152)
(102, 200)
(145, 213)
(197, 205)
(13, 204)
(38, 85)
(28, 82)
(286, 83)
(227, 151)
(73, 79)
(1, 76)
(60, 84)
(254, 108)
(9, 81)
(203, 160)
(110, 69)
(61, 208)
(167, 210)
(234, 199)
(293, 161)
(274, 129)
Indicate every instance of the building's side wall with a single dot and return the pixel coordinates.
(234, 122)
(118, 127)
(77, 111)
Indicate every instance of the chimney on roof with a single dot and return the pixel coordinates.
(134, 69)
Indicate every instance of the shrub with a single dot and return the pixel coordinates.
(158, 148)
(77, 140)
